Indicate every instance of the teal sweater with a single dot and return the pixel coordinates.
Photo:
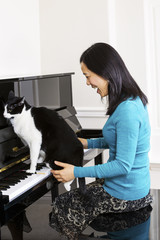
(127, 135)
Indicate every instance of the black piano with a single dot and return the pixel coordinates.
(18, 190)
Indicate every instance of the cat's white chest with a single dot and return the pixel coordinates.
(25, 128)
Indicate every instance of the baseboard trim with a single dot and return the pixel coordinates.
(91, 112)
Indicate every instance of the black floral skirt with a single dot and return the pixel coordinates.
(72, 211)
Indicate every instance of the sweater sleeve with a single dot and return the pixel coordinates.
(97, 143)
(127, 125)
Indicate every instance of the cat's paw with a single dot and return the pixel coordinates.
(67, 185)
(48, 166)
(31, 171)
(42, 156)
(40, 160)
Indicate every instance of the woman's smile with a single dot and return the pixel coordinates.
(95, 81)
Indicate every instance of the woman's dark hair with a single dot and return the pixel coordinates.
(104, 60)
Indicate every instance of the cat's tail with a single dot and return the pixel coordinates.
(84, 192)
(82, 185)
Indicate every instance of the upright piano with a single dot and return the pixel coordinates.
(18, 189)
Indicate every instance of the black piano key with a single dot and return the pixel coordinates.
(6, 187)
(13, 180)
(17, 176)
(3, 188)
(28, 174)
(10, 182)
(7, 183)
(20, 174)
(4, 184)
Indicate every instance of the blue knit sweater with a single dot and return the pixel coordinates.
(127, 135)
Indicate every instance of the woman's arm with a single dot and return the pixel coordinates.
(97, 143)
(93, 143)
(127, 132)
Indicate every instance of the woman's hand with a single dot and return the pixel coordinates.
(64, 175)
(84, 142)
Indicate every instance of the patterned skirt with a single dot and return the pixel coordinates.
(72, 211)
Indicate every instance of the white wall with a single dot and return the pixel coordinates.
(152, 39)
(130, 38)
(67, 29)
(20, 39)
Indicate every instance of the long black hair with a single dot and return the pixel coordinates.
(104, 60)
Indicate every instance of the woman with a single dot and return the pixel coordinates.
(127, 136)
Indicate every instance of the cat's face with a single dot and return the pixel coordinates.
(14, 106)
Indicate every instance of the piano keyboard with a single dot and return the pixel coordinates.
(27, 183)
(20, 182)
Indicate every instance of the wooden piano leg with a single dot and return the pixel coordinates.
(15, 226)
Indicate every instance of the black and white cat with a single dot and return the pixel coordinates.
(47, 134)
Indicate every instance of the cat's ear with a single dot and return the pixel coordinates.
(11, 95)
(23, 99)
(21, 102)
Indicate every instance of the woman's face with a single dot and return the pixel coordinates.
(95, 81)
